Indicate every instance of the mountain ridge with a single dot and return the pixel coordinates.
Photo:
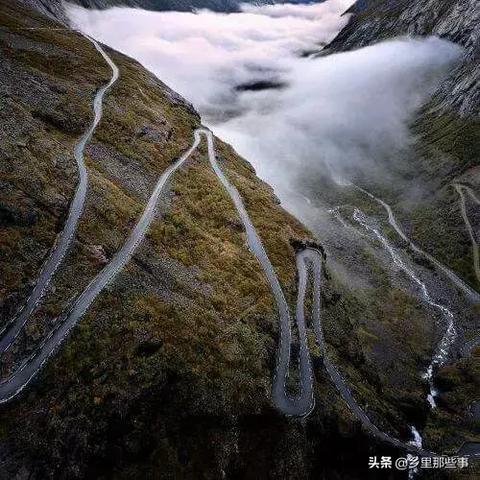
(458, 21)
(55, 8)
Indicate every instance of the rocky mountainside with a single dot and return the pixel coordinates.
(55, 8)
(458, 21)
(177, 5)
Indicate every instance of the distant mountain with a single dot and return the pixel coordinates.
(376, 20)
(179, 5)
(448, 127)
(55, 7)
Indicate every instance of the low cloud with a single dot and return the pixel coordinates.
(337, 114)
(343, 112)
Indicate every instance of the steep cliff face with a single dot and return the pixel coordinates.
(458, 21)
(178, 5)
(378, 19)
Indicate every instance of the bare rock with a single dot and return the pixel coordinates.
(98, 254)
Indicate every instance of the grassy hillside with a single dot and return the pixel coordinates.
(188, 329)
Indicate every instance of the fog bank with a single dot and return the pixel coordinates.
(339, 114)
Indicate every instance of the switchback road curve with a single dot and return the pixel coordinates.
(64, 240)
(303, 403)
(307, 260)
(463, 190)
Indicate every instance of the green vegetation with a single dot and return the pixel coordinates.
(450, 145)
(188, 330)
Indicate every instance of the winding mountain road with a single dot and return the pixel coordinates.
(308, 261)
(301, 404)
(443, 349)
(472, 294)
(20, 378)
(462, 190)
(64, 240)
(309, 264)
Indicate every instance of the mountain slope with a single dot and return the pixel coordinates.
(171, 334)
(446, 154)
(169, 373)
(53, 9)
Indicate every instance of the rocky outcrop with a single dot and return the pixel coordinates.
(51, 8)
(456, 20)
